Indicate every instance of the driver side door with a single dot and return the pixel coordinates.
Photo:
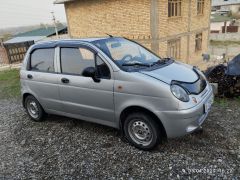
(82, 96)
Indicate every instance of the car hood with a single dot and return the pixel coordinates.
(176, 71)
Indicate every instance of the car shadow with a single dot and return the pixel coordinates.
(72, 123)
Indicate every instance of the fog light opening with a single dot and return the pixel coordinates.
(191, 129)
(194, 100)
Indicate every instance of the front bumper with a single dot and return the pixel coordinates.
(182, 122)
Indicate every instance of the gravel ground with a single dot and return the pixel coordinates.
(63, 148)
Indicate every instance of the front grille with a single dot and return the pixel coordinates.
(193, 88)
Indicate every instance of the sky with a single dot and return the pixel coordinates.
(14, 13)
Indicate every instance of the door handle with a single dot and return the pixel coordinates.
(29, 76)
(65, 80)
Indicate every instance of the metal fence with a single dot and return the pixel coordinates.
(17, 51)
(230, 29)
(3, 56)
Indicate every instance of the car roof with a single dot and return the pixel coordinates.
(65, 42)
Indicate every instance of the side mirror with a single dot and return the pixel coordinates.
(90, 72)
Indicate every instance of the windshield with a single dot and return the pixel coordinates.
(126, 54)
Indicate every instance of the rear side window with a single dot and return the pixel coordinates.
(42, 60)
(75, 60)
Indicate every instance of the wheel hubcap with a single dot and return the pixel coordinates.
(33, 109)
(140, 132)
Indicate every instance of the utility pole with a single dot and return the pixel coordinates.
(55, 24)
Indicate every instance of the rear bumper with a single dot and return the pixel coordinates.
(180, 123)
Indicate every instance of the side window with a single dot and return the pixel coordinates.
(102, 69)
(200, 7)
(174, 8)
(75, 60)
(42, 60)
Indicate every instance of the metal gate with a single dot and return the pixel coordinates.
(17, 51)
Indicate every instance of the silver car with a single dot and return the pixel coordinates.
(115, 82)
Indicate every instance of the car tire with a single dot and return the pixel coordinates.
(142, 131)
(34, 109)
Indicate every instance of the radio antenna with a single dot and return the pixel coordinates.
(109, 35)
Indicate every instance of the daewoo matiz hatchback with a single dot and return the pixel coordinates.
(115, 82)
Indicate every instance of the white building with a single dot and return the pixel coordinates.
(232, 6)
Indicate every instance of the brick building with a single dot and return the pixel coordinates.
(174, 28)
(3, 53)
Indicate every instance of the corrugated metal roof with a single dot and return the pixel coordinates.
(224, 2)
(25, 39)
(44, 31)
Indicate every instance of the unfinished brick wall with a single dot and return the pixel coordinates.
(145, 21)
(196, 56)
(185, 27)
(95, 18)
(202, 20)
(3, 56)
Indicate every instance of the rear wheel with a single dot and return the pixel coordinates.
(142, 131)
(34, 109)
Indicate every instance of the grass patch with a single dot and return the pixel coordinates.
(224, 43)
(9, 84)
(221, 18)
(238, 99)
(221, 102)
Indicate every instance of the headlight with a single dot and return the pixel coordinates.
(179, 93)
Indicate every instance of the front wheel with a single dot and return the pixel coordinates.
(142, 131)
(34, 109)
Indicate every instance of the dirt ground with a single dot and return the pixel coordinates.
(64, 148)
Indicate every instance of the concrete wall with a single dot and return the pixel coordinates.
(218, 25)
(225, 37)
(145, 21)
(230, 51)
(235, 9)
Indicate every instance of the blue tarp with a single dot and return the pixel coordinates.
(233, 68)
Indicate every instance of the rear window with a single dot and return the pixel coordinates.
(43, 60)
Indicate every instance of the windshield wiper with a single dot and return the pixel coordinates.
(136, 64)
(160, 61)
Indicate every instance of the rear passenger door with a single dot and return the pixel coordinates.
(41, 78)
(81, 95)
